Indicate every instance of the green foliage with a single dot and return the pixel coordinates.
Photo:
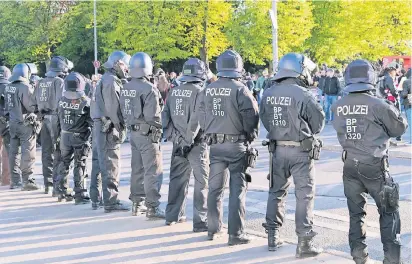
(30, 30)
(328, 31)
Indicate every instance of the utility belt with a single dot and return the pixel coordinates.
(389, 194)
(221, 138)
(311, 145)
(76, 134)
(153, 132)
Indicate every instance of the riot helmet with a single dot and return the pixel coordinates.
(59, 66)
(295, 65)
(119, 62)
(229, 65)
(360, 76)
(21, 72)
(141, 65)
(74, 84)
(194, 70)
(4, 74)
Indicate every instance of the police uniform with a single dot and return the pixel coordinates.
(142, 105)
(95, 174)
(19, 108)
(190, 153)
(292, 118)
(75, 124)
(229, 117)
(364, 125)
(48, 93)
(111, 127)
(4, 128)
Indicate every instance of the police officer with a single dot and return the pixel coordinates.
(142, 105)
(229, 117)
(76, 127)
(190, 152)
(95, 174)
(364, 125)
(292, 117)
(20, 110)
(4, 126)
(48, 92)
(109, 121)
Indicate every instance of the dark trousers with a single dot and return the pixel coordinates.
(292, 161)
(360, 179)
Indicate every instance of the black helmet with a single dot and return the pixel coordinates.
(21, 72)
(359, 76)
(295, 65)
(229, 64)
(141, 65)
(4, 74)
(194, 70)
(59, 65)
(113, 63)
(74, 85)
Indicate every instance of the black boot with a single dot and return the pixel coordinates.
(392, 254)
(154, 213)
(138, 208)
(213, 236)
(30, 185)
(68, 197)
(81, 199)
(306, 249)
(238, 239)
(15, 185)
(181, 220)
(117, 207)
(274, 241)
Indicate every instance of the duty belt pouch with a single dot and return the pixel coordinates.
(251, 157)
(220, 138)
(316, 149)
(234, 139)
(307, 144)
(389, 196)
(106, 125)
(156, 134)
(144, 129)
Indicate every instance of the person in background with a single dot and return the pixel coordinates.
(331, 89)
(407, 102)
(249, 82)
(260, 85)
(162, 83)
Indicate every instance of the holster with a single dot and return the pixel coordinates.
(313, 146)
(155, 134)
(106, 124)
(389, 195)
(183, 151)
(250, 162)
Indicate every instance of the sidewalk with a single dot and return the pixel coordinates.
(36, 229)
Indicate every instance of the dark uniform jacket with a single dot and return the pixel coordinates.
(364, 125)
(228, 107)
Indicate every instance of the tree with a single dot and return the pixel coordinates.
(30, 30)
(250, 30)
(351, 29)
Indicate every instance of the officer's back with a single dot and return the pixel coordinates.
(223, 106)
(181, 102)
(365, 124)
(48, 92)
(19, 95)
(291, 111)
(141, 109)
